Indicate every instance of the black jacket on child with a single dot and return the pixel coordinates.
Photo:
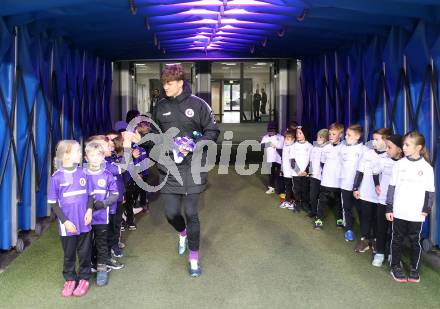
(189, 114)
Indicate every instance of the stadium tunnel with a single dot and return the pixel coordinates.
(71, 68)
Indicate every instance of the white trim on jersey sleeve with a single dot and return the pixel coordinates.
(74, 193)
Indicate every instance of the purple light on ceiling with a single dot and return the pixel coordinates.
(220, 3)
(208, 24)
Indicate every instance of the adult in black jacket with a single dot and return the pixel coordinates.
(193, 117)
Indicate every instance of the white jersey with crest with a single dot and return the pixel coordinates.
(411, 180)
(301, 154)
(350, 157)
(286, 166)
(276, 141)
(369, 165)
(386, 165)
(315, 170)
(331, 173)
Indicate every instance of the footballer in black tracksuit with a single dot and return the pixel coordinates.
(189, 114)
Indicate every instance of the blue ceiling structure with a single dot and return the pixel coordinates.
(152, 29)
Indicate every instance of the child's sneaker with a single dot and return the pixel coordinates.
(132, 227)
(349, 235)
(270, 190)
(116, 251)
(114, 264)
(122, 227)
(378, 260)
(291, 206)
(414, 276)
(318, 224)
(102, 275)
(340, 223)
(82, 288)
(69, 287)
(362, 245)
(398, 274)
(194, 269)
(284, 204)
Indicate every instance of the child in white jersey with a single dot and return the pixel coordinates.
(330, 193)
(394, 153)
(300, 164)
(351, 152)
(366, 187)
(273, 142)
(287, 170)
(410, 198)
(315, 170)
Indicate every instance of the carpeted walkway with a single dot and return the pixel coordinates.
(254, 255)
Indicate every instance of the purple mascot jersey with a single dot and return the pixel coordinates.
(115, 170)
(100, 185)
(69, 189)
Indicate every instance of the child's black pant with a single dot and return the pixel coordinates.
(402, 229)
(274, 174)
(288, 189)
(73, 245)
(131, 196)
(114, 227)
(173, 211)
(329, 197)
(100, 246)
(381, 229)
(315, 185)
(301, 191)
(368, 219)
(348, 204)
(143, 197)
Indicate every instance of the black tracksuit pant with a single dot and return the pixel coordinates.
(382, 226)
(73, 245)
(173, 212)
(131, 196)
(368, 219)
(288, 189)
(329, 197)
(274, 174)
(315, 186)
(348, 204)
(301, 191)
(100, 246)
(114, 227)
(402, 229)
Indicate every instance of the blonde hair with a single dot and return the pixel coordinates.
(356, 129)
(336, 126)
(384, 132)
(95, 145)
(63, 147)
(323, 133)
(419, 140)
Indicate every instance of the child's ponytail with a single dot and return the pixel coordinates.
(419, 139)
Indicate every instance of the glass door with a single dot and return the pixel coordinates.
(231, 101)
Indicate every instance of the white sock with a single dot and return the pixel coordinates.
(194, 264)
(182, 240)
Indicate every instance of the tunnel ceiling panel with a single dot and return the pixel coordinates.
(152, 29)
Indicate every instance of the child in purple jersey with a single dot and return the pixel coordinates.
(102, 187)
(143, 128)
(116, 210)
(132, 190)
(69, 201)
